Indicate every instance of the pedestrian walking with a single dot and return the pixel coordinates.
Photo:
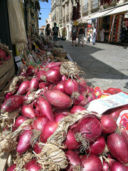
(55, 32)
(74, 35)
(94, 35)
(48, 31)
(81, 35)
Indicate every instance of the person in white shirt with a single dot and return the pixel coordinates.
(94, 36)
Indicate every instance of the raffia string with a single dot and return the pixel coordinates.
(8, 140)
(14, 82)
(52, 157)
(70, 69)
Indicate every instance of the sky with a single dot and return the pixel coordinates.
(45, 10)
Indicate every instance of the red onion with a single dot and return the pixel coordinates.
(39, 123)
(79, 99)
(11, 104)
(32, 166)
(74, 159)
(98, 146)
(58, 99)
(60, 86)
(24, 141)
(105, 166)
(108, 124)
(89, 127)
(28, 111)
(92, 163)
(64, 78)
(2, 54)
(118, 147)
(116, 166)
(70, 86)
(71, 142)
(37, 149)
(12, 168)
(77, 109)
(52, 76)
(82, 84)
(42, 85)
(34, 84)
(45, 108)
(53, 64)
(9, 94)
(59, 117)
(19, 121)
(48, 130)
(41, 75)
(23, 88)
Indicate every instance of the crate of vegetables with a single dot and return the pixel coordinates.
(46, 127)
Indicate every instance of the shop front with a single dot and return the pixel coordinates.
(112, 25)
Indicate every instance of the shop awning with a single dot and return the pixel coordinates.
(99, 14)
(111, 11)
(119, 9)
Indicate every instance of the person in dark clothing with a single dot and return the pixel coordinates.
(81, 35)
(48, 31)
(55, 31)
(74, 35)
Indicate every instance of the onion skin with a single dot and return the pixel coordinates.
(52, 76)
(58, 99)
(89, 128)
(70, 86)
(98, 146)
(12, 167)
(39, 123)
(23, 88)
(116, 166)
(108, 124)
(34, 84)
(28, 111)
(71, 142)
(32, 166)
(45, 108)
(24, 141)
(12, 103)
(77, 109)
(92, 163)
(118, 147)
(48, 130)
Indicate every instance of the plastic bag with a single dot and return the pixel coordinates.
(16, 22)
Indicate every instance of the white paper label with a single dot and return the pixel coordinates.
(102, 105)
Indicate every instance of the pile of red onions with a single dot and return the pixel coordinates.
(103, 147)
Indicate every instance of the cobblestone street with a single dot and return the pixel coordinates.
(105, 65)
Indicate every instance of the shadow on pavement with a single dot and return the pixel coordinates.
(92, 67)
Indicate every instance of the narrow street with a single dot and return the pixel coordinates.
(104, 65)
